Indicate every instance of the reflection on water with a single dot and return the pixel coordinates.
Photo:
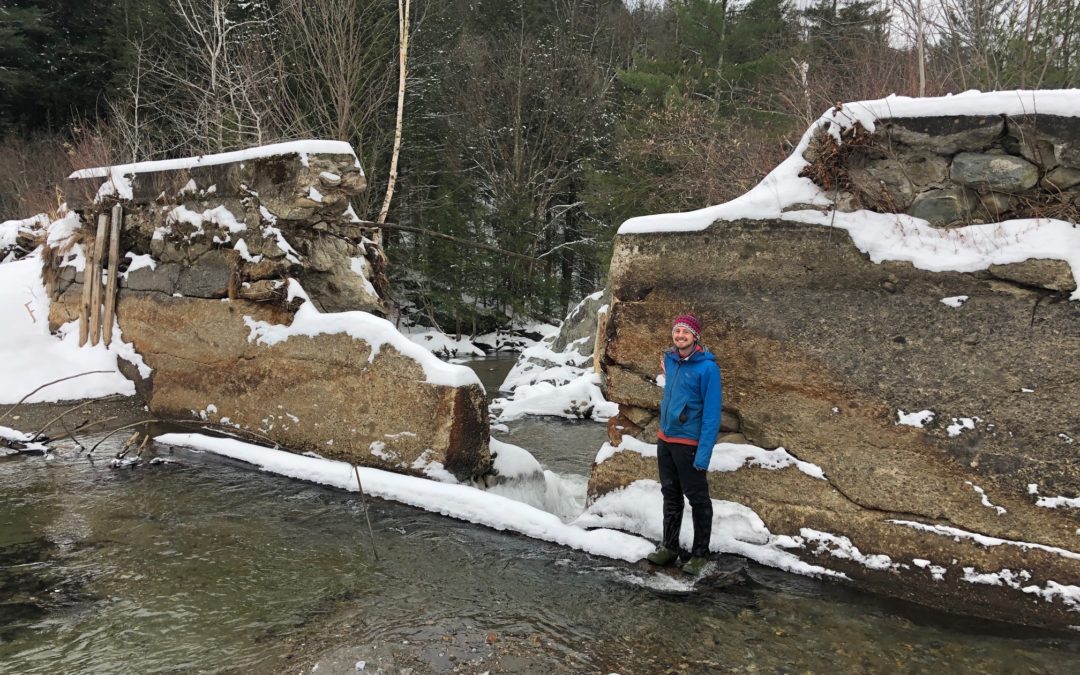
(209, 565)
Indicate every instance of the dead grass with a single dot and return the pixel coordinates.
(33, 169)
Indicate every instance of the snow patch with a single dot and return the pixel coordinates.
(725, 456)
(915, 419)
(983, 540)
(986, 500)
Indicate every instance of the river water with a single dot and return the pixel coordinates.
(205, 565)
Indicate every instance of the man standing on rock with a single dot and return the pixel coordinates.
(689, 422)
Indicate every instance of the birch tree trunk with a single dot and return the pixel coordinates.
(403, 60)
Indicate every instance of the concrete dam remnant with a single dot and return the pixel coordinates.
(253, 294)
(895, 304)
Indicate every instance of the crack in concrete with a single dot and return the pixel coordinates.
(868, 508)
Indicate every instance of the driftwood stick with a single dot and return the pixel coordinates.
(69, 377)
(84, 427)
(68, 433)
(198, 423)
(129, 442)
(363, 500)
(84, 306)
(121, 428)
(95, 281)
(114, 262)
(69, 410)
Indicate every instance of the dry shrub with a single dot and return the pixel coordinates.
(30, 171)
(1039, 204)
(690, 157)
(828, 158)
(33, 169)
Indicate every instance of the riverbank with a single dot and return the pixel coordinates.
(104, 414)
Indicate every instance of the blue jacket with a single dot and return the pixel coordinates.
(690, 411)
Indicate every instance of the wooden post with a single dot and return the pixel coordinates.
(95, 281)
(114, 262)
(88, 267)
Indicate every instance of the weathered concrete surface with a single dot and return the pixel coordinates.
(317, 394)
(820, 348)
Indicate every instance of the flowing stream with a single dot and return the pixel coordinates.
(206, 565)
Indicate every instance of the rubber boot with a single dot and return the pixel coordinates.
(662, 556)
(695, 565)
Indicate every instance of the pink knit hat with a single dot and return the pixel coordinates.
(690, 323)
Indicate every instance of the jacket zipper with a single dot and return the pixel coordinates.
(674, 381)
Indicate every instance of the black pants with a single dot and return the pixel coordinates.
(679, 478)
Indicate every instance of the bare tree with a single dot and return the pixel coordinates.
(913, 21)
(203, 84)
(999, 44)
(339, 73)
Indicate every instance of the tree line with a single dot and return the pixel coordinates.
(530, 127)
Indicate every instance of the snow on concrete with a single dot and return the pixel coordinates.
(984, 499)
(842, 548)
(937, 572)
(725, 456)
(984, 540)
(915, 419)
(1018, 580)
(377, 332)
(1052, 502)
(302, 148)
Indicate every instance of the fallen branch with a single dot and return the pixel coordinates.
(86, 425)
(199, 423)
(47, 384)
(364, 502)
(121, 428)
(69, 410)
(463, 242)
